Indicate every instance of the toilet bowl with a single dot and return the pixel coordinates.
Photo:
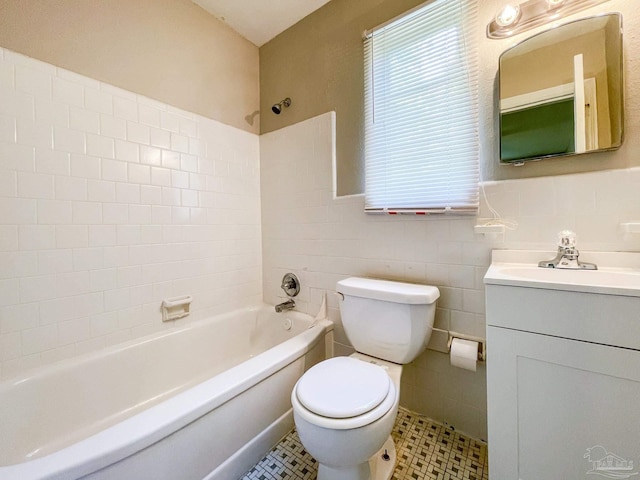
(344, 408)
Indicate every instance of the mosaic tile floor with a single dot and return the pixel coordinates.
(426, 450)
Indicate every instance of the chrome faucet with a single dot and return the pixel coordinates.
(567, 256)
(291, 286)
(288, 305)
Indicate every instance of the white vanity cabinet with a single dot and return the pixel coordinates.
(563, 371)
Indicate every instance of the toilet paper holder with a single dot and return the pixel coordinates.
(482, 343)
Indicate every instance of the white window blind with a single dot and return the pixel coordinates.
(421, 111)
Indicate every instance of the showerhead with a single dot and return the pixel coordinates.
(277, 108)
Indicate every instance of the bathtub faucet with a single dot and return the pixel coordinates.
(288, 305)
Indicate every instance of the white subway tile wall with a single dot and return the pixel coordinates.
(110, 202)
(322, 240)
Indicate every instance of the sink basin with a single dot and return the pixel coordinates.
(508, 269)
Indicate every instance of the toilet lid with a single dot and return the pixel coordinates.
(343, 387)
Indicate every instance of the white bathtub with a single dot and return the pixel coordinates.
(203, 401)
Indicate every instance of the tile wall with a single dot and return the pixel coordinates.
(322, 240)
(109, 203)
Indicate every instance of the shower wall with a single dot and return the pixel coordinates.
(111, 202)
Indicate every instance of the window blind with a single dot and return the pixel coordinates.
(421, 111)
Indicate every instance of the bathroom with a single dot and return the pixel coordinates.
(96, 233)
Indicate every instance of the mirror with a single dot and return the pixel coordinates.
(561, 91)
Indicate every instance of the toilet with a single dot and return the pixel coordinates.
(344, 408)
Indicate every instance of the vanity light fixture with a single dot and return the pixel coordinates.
(513, 19)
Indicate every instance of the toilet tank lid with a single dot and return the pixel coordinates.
(388, 291)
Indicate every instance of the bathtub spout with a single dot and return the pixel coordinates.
(288, 305)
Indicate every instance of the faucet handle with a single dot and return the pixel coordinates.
(290, 285)
(567, 239)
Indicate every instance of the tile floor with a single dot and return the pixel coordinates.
(426, 450)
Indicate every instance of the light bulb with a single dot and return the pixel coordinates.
(508, 16)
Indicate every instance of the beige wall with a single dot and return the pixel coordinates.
(614, 75)
(318, 63)
(552, 66)
(168, 50)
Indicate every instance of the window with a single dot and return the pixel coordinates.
(421, 111)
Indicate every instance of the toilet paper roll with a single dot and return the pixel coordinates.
(464, 354)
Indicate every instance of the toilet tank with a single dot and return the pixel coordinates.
(388, 320)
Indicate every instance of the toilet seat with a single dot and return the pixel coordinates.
(343, 393)
(343, 387)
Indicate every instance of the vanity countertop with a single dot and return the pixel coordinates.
(618, 273)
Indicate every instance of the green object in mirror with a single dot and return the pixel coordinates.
(561, 91)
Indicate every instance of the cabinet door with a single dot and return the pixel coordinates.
(561, 409)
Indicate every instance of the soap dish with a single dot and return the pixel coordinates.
(176, 307)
